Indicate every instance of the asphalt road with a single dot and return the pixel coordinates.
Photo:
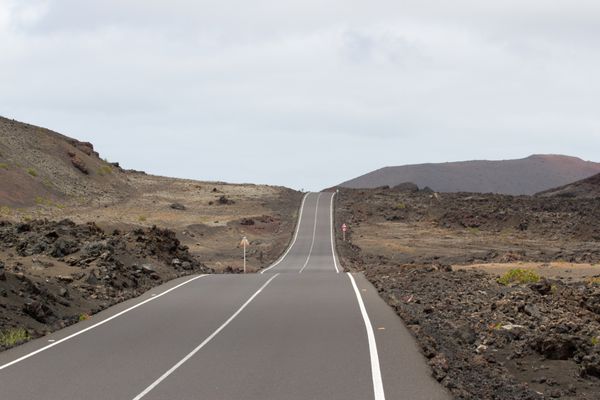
(302, 329)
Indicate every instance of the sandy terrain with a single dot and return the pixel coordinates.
(212, 228)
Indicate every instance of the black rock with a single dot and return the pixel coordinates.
(178, 206)
(407, 187)
(92, 279)
(38, 311)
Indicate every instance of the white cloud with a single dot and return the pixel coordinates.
(232, 88)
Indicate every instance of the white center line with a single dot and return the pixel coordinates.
(375, 368)
(204, 343)
(295, 237)
(312, 245)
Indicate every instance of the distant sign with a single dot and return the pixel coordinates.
(344, 228)
(244, 242)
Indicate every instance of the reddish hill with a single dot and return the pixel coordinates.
(587, 188)
(514, 177)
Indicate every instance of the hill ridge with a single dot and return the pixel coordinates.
(525, 176)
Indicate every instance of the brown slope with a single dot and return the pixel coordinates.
(41, 166)
(587, 188)
(38, 180)
(514, 177)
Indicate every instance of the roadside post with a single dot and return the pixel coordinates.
(344, 230)
(244, 243)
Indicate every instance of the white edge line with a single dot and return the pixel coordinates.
(375, 368)
(312, 245)
(333, 237)
(204, 343)
(96, 325)
(293, 240)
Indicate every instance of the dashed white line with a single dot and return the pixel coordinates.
(55, 343)
(312, 245)
(204, 343)
(375, 367)
(293, 240)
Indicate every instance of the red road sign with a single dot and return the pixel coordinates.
(344, 228)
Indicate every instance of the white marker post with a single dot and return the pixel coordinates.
(344, 230)
(244, 243)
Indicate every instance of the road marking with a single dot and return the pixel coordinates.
(312, 245)
(293, 240)
(204, 343)
(375, 368)
(18, 360)
(333, 236)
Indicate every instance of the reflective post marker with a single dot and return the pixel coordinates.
(244, 244)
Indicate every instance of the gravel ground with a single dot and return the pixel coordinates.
(484, 339)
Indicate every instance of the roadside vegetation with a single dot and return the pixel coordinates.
(13, 336)
(519, 276)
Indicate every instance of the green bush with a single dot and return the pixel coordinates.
(3, 166)
(12, 336)
(400, 206)
(83, 317)
(518, 275)
(105, 170)
(32, 172)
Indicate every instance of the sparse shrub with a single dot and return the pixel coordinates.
(400, 206)
(496, 326)
(32, 172)
(518, 275)
(83, 317)
(473, 230)
(39, 200)
(12, 336)
(104, 170)
(595, 340)
(3, 166)
(142, 218)
(595, 281)
(5, 210)
(48, 183)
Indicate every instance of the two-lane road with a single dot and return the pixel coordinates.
(301, 329)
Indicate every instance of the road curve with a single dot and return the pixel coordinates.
(301, 329)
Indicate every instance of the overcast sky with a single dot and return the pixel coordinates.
(305, 93)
